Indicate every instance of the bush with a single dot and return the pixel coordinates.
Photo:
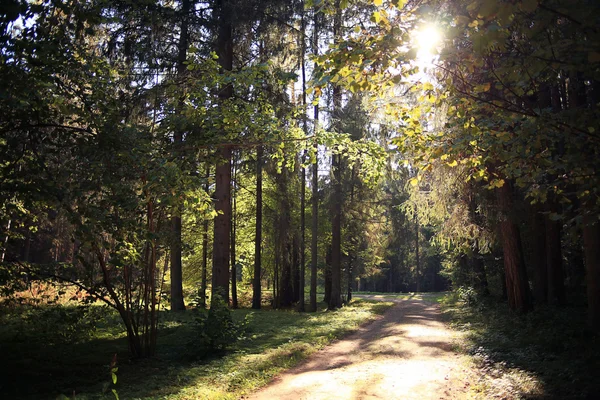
(216, 330)
(468, 295)
(54, 324)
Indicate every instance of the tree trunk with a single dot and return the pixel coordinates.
(256, 289)
(283, 242)
(591, 244)
(204, 246)
(296, 267)
(302, 240)
(315, 190)
(481, 282)
(556, 277)
(303, 170)
(5, 241)
(276, 286)
(516, 275)
(327, 276)
(234, 300)
(177, 303)
(222, 226)
(335, 299)
(349, 294)
(418, 261)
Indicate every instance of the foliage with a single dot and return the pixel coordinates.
(275, 340)
(546, 353)
(53, 324)
(215, 329)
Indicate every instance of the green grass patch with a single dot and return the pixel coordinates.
(547, 353)
(432, 297)
(276, 340)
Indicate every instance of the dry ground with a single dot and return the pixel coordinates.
(406, 354)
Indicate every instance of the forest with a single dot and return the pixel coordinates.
(196, 195)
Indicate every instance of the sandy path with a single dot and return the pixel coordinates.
(406, 354)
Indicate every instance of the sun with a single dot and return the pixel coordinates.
(427, 38)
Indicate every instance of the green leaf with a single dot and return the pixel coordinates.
(114, 378)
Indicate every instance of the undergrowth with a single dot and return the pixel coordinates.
(272, 341)
(547, 353)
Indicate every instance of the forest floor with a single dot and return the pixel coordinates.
(408, 353)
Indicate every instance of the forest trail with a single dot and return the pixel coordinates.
(406, 354)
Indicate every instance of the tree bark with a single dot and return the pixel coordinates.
(222, 226)
(256, 289)
(204, 246)
(303, 170)
(556, 276)
(481, 282)
(283, 240)
(315, 190)
(335, 300)
(177, 303)
(234, 300)
(514, 267)
(418, 261)
(327, 276)
(296, 266)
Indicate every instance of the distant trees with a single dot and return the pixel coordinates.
(511, 103)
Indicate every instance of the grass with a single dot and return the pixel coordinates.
(35, 367)
(433, 297)
(544, 354)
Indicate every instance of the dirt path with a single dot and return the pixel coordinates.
(407, 354)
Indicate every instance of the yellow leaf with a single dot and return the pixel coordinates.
(591, 129)
(377, 16)
(453, 163)
(413, 181)
(378, 2)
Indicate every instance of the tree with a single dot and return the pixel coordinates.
(222, 227)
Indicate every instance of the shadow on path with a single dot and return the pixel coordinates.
(406, 354)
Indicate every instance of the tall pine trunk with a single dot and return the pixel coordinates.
(315, 189)
(256, 289)
(303, 170)
(204, 245)
(234, 300)
(222, 226)
(555, 274)
(417, 258)
(517, 287)
(283, 240)
(335, 298)
(177, 303)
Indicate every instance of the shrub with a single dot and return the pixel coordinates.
(216, 330)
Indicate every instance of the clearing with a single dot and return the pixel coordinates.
(408, 353)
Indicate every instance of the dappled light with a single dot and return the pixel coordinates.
(221, 199)
(397, 357)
